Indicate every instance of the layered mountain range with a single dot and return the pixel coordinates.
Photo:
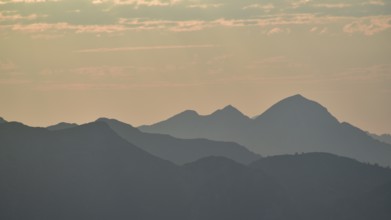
(108, 169)
(292, 125)
(90, 172)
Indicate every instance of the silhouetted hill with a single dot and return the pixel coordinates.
(318, 181)
(89, 172)
(292, 125)
(177, 150)
(2, 120)
(224, 189)
(61, 126)
(86, 172)
(386, 138)
(227, 124)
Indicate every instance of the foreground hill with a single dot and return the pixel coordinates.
(292, 125)
(180, 151)
(325, 186)
(89, 172)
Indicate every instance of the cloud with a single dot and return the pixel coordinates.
(368, 25)
(113, 16)
(334, 5)
(375, 2)
(12, 16)
(205, 6)
(265, 7)
(138, 3)
(161, 47)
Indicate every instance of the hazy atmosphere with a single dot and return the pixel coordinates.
(143, 61)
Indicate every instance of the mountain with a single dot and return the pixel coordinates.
(318, 181)
(2, 120)
(227, 124)
(386, 138)
(224, 189)
(375, 204)
(89, 172)
(292, 125)
(180, 151)
(86, 172)
(61, 126)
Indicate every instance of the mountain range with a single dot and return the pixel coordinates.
(90, 172)
(295, 124)
(180, 151)
(177, 150)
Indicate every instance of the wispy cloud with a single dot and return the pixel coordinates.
(369, 25)
(160, 47)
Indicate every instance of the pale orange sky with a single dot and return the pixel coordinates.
(144, 61)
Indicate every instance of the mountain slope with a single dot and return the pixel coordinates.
(61, 126)
(224, 189)
(87, 172)
(2, 120)
(292, 125)
(180, 151)
(318, 181)
(386, 138)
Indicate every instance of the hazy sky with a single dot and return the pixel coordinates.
(142, 61)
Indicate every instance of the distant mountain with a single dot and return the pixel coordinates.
(386, 138)
(292, 125)
(180, 151)
(318, 181)
(89, 172)
(227, 124)
(2, 120)
(61, 126)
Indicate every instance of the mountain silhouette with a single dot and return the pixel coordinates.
(180, 151)
(89, 172)
(385, 138)
(227, 124)
(318, 181)
(2, 120)
(86, 172)
(292, 125)
(219, 184)
(61, 126)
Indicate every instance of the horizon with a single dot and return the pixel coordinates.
(144, 61)
(198, 113)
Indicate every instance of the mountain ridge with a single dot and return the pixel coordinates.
(180, 151)
(294, 124)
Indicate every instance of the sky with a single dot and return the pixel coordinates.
(142, 61)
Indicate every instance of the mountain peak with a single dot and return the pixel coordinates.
(228, 111)
(298, 109)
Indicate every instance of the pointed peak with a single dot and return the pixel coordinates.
(228, 110)
(297, 97)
